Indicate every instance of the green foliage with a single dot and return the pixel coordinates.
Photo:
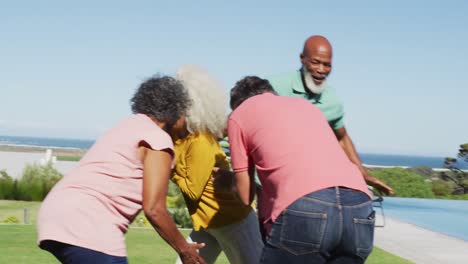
(175, 201)
(177, 208)
(454, 177)
(422, 170)
(6, 186)
(405, 183)
(454, 197)
(11, 220)
(450, 159)
(181, 217)
(4, 175)
(463, 152)
(464, 182)
(174, 198)
(68, 158)
(441, 188)
(173, 189)
(458, 176)
(34, 184)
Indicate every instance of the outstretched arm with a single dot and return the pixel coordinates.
(348, 146)
(157, 167)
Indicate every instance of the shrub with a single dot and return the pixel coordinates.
(173, 189)
(176, 204)
(11, 220)
(175, 201)
(405, 183)
(6, 186)
(4, 175)
(464, 182)
(36, 182)
(181, 217)
(441, 188)
(423, 171)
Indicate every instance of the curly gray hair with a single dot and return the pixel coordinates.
(162, 97)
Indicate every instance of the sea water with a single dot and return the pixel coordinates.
(46, 142)
(371, 159)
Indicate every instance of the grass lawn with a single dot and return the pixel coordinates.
(18, 243)
(16, 209)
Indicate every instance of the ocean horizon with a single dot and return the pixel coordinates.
(378, 159)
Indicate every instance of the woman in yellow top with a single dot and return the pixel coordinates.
(219, 219)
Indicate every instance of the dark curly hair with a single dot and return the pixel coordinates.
(162, 97)
(247, 87)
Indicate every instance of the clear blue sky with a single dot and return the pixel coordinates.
(68, 69)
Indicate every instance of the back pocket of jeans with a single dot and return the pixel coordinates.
(302, 232)
(364, 235)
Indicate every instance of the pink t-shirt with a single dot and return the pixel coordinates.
(293, 148)
(93, 205)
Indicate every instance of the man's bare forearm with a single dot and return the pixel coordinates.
(348, 147)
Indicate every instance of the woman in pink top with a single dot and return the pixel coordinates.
(314, 199)
(85, 216)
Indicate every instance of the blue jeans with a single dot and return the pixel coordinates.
(241, 242)
(66, 253)
(334, 225)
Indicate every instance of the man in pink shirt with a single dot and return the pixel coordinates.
(85, 216)
(314, 199)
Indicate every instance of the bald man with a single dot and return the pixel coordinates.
(310, 82)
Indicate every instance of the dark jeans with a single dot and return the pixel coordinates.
(66, 253)
(334, 225)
